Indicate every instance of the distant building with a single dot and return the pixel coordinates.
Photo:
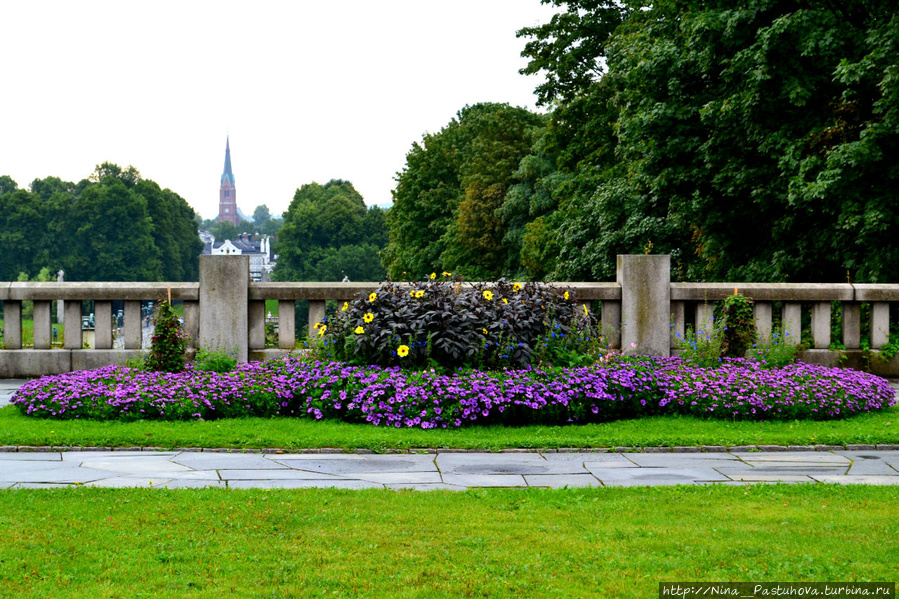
(260, 252)
(228, 192)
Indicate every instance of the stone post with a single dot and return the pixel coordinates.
(224, 301)
(645, 304)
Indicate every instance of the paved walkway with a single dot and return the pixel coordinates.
(440, 470)
(430, 469)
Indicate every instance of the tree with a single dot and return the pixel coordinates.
(114, 226)
(328, 234)
(741, 132)
(261, 215)
(446, 212)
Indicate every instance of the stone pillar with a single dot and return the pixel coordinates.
(287, 324)
(103, 324)
(133, 325)
(316, 314)
(762, 313)
(257, 324)
(645, 304)
(72, 326)
(224, 295)
(12, 324)
(43, 328)
(880, 324)
(821, 324)
(192, 323)
(611, 323)
(792, 323)
(852, 325)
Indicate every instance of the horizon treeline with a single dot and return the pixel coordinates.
(112, 226)
(751, 140)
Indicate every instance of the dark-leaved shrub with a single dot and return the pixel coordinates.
(447, 323)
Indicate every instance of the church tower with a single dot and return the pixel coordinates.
(228, 192)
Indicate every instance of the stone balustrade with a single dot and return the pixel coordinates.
(642, 312)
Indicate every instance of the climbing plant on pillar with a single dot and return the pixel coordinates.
(738, 326)
(169, 343)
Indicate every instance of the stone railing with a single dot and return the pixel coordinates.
(642, 312)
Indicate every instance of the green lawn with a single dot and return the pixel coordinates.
(15, 429)
(28, 333)
(482, 543)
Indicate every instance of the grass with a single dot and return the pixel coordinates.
(28, 333)
(15, 429)
(500, 543)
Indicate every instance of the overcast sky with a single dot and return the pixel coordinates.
(307, 91)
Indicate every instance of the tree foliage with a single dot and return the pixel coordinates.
(752, 140)
(329, 234)
(447, 204)
(113, 226)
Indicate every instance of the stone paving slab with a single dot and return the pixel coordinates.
(137, 465)
(810, 457)
(257, 474)
(62, 475)
(359, 463)
(857, 480)
(489, 464)
(396, 478)
(652, 476)
(226, 461)
(485, 480)
(782, 478)
(303, 484)
(193, 484)
(871, 468)
(699, 460)
(38, 456)
(426, 487)
(122, 482)
(72, 456)
(557, 481)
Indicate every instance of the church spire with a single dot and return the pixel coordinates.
(227, 173)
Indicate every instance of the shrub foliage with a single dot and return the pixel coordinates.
(447, 323)
(169, 343)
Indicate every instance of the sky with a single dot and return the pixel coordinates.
(305, 90)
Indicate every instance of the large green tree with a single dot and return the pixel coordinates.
(112, 226)
(753, 140)
(447, 204)
(329, 234)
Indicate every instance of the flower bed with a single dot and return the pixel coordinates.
(737, 389)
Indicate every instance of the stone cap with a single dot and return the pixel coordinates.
(788, 292)
(98, 291)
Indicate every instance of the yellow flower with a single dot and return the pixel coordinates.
(505, 301)
(419, 293)
(587, 312)
(359, 330)
(516, 287)
(318, 325)
(447, 274)
(322, 330)
(488, 295)
(402, 351)
(372, 296)
(368, 317)
(485, 331)
(345, 307)
(412, 293)
(433, 275)
(565, 295)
